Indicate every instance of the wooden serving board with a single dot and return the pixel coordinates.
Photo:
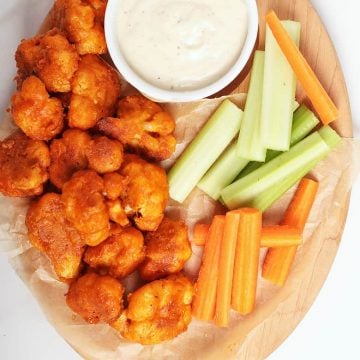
(274, 327)
(318, 49)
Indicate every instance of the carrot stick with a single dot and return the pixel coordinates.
(226, 268)
(200, 233)
(280, 236)
(246, 261)
(203, 306)
(318, 96)
(278, 261)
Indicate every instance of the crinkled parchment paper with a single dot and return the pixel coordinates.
(275, 313)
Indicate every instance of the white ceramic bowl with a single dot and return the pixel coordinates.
(162, 95)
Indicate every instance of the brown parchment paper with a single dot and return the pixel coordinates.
(201, 341)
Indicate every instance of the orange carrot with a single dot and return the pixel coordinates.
(203, 306)
(200, 233)
(246, 261)
(226, 268)
(278, 261)
(280, 236)
(311, 84)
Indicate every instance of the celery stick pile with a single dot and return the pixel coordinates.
(251, 158)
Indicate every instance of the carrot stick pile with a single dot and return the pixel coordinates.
(229, 271)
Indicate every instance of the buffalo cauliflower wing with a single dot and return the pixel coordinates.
(85, 206)
(117, 213)
(83, 23)
(113, 185)
(167, 250)
(105, 155)
(50, 232)
(120, 254)
(158, 311)
(95, 90)
(145, 192)
(68, 155)
(143, 126)
(23, 165)
(96, 298)
(51, 58)
(38, 115)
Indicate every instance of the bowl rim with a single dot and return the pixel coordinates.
(159, 94)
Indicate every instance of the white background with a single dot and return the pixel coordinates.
(331, 328)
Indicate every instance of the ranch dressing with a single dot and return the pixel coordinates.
(181, 44)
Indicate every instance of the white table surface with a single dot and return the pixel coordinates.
(329, 330)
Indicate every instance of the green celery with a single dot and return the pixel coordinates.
(304, 121)
(278, 92)
(203, 151)
(223, 172)
(265, 185)
(249, 144)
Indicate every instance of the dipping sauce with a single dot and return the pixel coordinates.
(181, 45)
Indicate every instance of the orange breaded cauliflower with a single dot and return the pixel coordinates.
(85, 206)
(105, 155)
(96, 298)
(120, 254)
(95, 90)
(23, 165)
(143, 126)
(158, 311)
(51, 58)
(117, 213)
(167, 250)
(68, 155)
(83, 22)
(145, 193)
(50, 232)
(113, 185)
(38, 115)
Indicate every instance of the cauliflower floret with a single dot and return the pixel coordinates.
(158, 311)
(143, 126)
(145, 193)
(120, 254)
(51, 58)
(50, 232)
(85, 206)
(105, 155)
(95, 90)
(167, 250)
(38, 115)
(23, 163)
(68, 155)
(96, 298)
(83, 22)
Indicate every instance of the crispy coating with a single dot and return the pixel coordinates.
(50, 232)
(68, 155)
(23, 165)
(143, 126)
(85, 206)
(113, 185)
(50, 57)
(167, 250)
(83, 22)
(158, 311)
(120, 254)
(95, 90)
(96, 298)
(38, 115)
(116, 212)
(146, 192)
(105, 155)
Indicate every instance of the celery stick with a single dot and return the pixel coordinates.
(330, 136)
(203, 151)
(284, 169)
(304, 121)
(223, 172)
(249, 145)
(278, 92)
